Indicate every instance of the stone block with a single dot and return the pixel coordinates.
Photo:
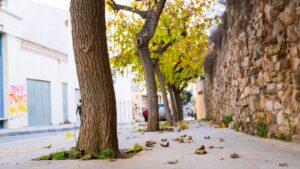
(288, 16)
(297, 29)
(296, 63)
(286, 64)
(296, 138)
(279, 86)
(266, 77)
(277, 106)
(255, 90)
(269, 105)
(274, 49)
(291, 35)
(280, 93)
(271, 87)
(247, 91)
(297, 96)
(278, 27)
(298, 10)
(246, 62)
(274, 58)
(280, 77)
(268, 117)
(294, 51)
(277, 66)
(297, 77)
(262, 101)
(260, 78)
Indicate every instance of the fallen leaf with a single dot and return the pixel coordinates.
(173, 162)
(234, 155)
(69, 135)
(112, 159)
(165, 144)
(222, 140)
(150, 143)
(201, 150)
(283, 164)
(164, 140)
(136, 148)
(87, 157)
(222, 125)
(49, 146)
(207, 137)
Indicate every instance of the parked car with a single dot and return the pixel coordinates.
(161, 112)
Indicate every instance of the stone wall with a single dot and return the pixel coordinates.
(256, 72)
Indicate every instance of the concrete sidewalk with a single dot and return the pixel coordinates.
(40, 129)
(255, 152)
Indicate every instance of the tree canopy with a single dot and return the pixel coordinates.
(179, 43)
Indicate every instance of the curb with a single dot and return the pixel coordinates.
(35, 131)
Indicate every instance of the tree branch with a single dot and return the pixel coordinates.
(159, 7)
(177, 64)
(118, 7)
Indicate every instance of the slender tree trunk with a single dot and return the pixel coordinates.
(178, 102)
(143, 37)
(99, 124)
(152, 101)
(173, 104)
(164, 93)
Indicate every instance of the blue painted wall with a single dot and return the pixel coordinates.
(1, 83)
(39, 104)
(65, 102)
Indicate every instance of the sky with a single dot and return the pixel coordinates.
(61, 4)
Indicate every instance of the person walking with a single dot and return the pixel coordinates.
(79, 108)
(145, 114)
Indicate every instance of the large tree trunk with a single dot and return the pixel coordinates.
(99, 127)
(164, 93)
(173, 104)
(152, 101)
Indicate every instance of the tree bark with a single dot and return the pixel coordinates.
(173, 104)
(178, 102)
(143, 37)
(99, 123)
(164, 93)
(142, 43)
(152, 100)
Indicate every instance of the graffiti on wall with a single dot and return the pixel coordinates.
(17, 101)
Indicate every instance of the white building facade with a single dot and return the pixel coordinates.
(38, 81)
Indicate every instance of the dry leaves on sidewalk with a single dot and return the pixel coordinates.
(49, 146)
(173, 162)
(201, 150)
(234, 155)
(164, 143)
(150, 143)
(283, 164)
(184, 139)
(212, 147)
(207, 137)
